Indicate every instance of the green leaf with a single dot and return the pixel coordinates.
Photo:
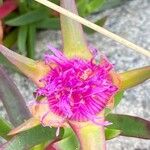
(32, 137)
(118, 98)
(11, 38)
(22, 38)
(28, 18)
(69, 141)
(31, 40)
(86, 7)
(94, 5)
(111, 133)
(49, 23)
(11, 16)
(5, 127)
(28, 124)
(38, 147)
(12, 100)
(23, 6)
(134, 77)
(109, 4)
(130, 126)
(81, 7)
(100, 22)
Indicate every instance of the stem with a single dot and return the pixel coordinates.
(91, 136)
(73, 37)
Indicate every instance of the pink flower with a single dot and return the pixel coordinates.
(76, 89)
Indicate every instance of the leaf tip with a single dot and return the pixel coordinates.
(32, 122)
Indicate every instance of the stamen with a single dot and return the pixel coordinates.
(77, 89)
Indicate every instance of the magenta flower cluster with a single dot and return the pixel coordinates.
(77, 89)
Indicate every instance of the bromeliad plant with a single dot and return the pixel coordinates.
(75, 94)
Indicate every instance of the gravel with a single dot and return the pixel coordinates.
(131, 21)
